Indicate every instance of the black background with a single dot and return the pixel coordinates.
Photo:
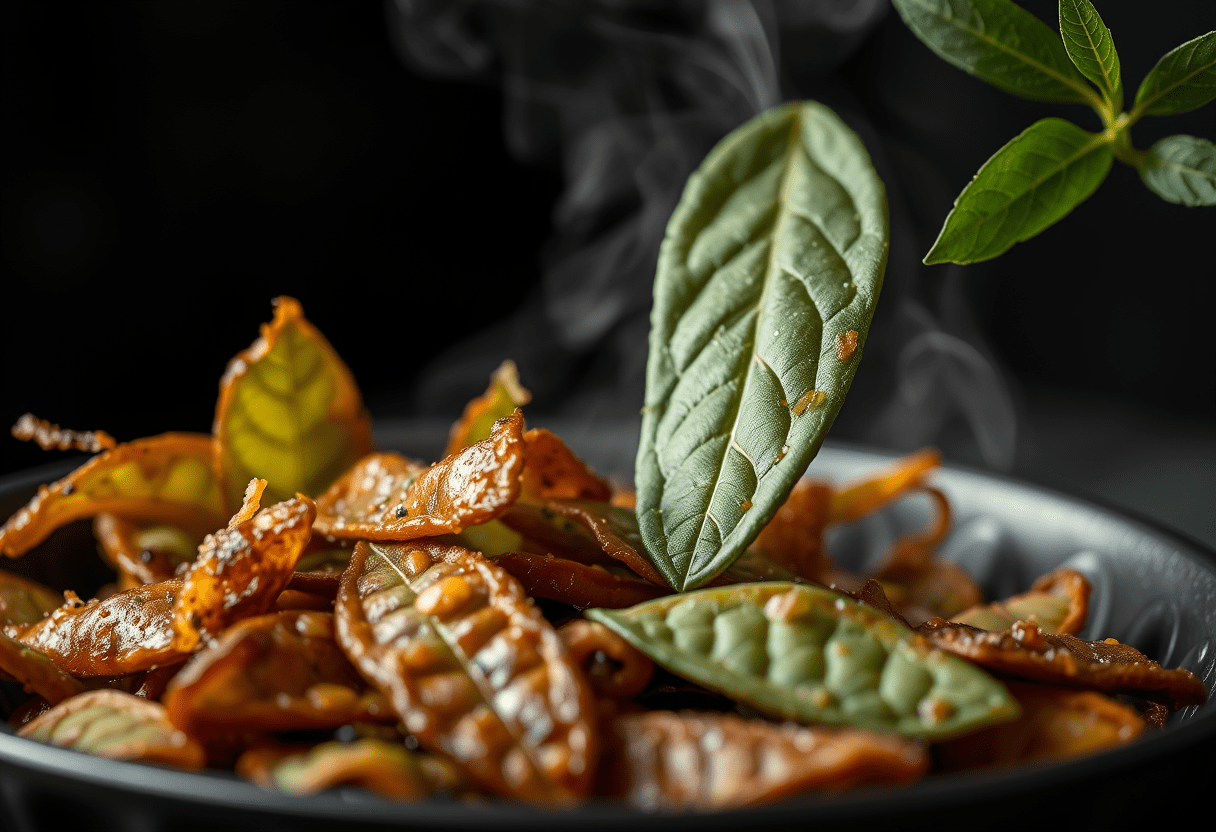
(169, 168)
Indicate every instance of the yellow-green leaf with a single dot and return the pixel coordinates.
(289, 412)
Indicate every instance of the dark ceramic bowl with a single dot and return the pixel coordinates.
(1152, 589)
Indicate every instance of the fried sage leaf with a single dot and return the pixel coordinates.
(166, 478)
(116, 725)
(289, 412)
(125, 633)
(809, 654)
(1058, 602)
(376, 765)
(766, 285)
(500, 400)
(1056, 724)
(240, 571)
(36, 672)
(664, 760)
(388, 497)
(471, 666)
(1057, 659)
(24, 602)
(275, 672)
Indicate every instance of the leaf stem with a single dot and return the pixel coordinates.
(1118, 133)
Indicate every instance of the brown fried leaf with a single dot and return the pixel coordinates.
(240, 571)
(574, 583)
(118, 726)
(471, 666)
(36, 672)
(1056, 724)
(142, 554)
(1024, 650)
(127, 632)
(500, 400)
(389, 498)
(553, 472)
(373, 764)
(50, 436)
(664, 760)
(1058, 603)
(161, 479)
(274, 672)
(24, 602)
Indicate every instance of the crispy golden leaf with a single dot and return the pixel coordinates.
(161, 479)
(387, 497)
(500, 400)
(471, 666)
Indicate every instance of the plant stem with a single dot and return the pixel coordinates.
(1119, 135)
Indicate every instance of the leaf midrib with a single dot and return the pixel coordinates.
(1028, 60)
(1093, 47)
(793, 147)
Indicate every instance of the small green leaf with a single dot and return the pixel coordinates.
(766, 285)
(1182, 169)
(1184, 78)
(1000, 43)
(1091, 48)
(805, 653)
(1030, 184)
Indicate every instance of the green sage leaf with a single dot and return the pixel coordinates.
(766, 285)
(805, 653)
(998, 42)
(1182, 169)
(1091, 48)
(1184, 79)
(1030, 184)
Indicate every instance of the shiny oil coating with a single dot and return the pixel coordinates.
(275, 672)
(1024, 650)
(239, 572)
(385, 497)
(471, 666)
(128, 632)
(669, 760)
(117, 725)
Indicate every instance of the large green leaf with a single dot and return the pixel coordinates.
(1030, 184)
(805, 653)
(1000, 43)
(1089, 44)
(1182, 169)
(766, 285)
(1184, 78)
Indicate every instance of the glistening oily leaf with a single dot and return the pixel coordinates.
(805, 653)
(1031, 183)
(1184, 78)
(1182, 169)
(166, 478)
(998, 42)
(1089, 44)
(471, 666)
(766, 285)
(289, 412)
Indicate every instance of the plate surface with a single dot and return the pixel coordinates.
(1152, 589)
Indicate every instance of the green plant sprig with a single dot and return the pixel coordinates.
(1037, 178)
